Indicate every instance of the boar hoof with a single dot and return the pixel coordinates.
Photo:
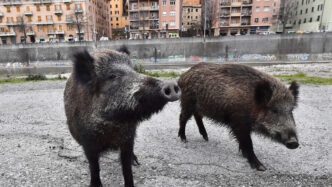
(206, 138)
(258, 166)
(134, 161)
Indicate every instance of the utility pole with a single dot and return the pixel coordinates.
(204, 18)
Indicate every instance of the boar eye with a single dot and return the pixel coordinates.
(274, 110)
(111, 77)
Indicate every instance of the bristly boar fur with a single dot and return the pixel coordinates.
(243, 99)
(105, 99)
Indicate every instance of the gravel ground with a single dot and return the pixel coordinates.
(36, 148)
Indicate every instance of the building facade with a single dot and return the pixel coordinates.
(119, 18)
(53, 20)
(191, 15)
(311, 16)
(233, 17)
(155, 18)
(262, 15)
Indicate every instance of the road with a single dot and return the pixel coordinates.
(36, 148)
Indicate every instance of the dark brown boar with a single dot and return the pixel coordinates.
(243, 99)
(105, 99)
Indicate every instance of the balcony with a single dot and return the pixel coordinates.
(225, 4)
(246, 3)
(154, 27)
(245, 23)
(81, 32)
(28, 13)
(50, 32)
(67, 1)
(144, 8)
(154, 8)
(144, 28)
(31, 33)
(16, 2)
(235, 24)
(50, 22)
(236, 4)
(36, 1)
(246, 14)
(154, 18)
(236, 14)
(144, 18)
(134, 27)
(60, 32)
(133, 9)
(11, 23)
(46, 1)
(58, 11)
(69, 20)
(223, 24)
(7, 34)
(6, 3)
(133, 18)
(78, 11)
(1, 14)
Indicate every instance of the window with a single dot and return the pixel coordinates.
(318, 18)
(38, 8)
(172, 23)
(164, 3)
(116, 12)
(59, 18)
(305, 20)
(48, 7)
(18, 9)
(39, 18)
(172, 2)
(310, 20)
(299, 22)
(312, 9)
(256, 20)
(164, 13)
(306, 11)
(301, 12)
(266, 8)
(265, 20)
(257, 8)
(29, 18)
(69, 27)
(196, 9)
(172, 12)
(28, 8)
(68, 6)
(116, 6)
(164, 23)
(117, 19)
(8, 8)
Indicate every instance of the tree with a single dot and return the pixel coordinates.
(22, 26)
(79, 20)
(210, 15)
(287, 12)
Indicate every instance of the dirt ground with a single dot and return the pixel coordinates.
(36, 148)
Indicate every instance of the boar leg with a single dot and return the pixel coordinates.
(126, 155)
(135, 160)
(246, 147)
(184, 117)
(93, 158)
(199, 122)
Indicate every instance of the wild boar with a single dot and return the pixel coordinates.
(105, 99)
(243, 99)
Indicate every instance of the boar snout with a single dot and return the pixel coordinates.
(292, 143)
(171, 91)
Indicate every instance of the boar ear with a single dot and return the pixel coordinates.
(84, 69)
(294, 88)
(124, 49)
(263, 93)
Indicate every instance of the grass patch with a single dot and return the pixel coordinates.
(167, 74)
(303, 78)
(29, 78)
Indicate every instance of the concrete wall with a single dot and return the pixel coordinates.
(239, 48)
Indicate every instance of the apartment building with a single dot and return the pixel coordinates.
(53, 20)
(191, 15)
(155, 18)
(262, 15)
(233, 17)
(119, 18)
(311, 16)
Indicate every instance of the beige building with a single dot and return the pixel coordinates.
(311, 16)
(233, 17)
(119, 18)
(155, 18)
(53, 20)
(191, 15)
